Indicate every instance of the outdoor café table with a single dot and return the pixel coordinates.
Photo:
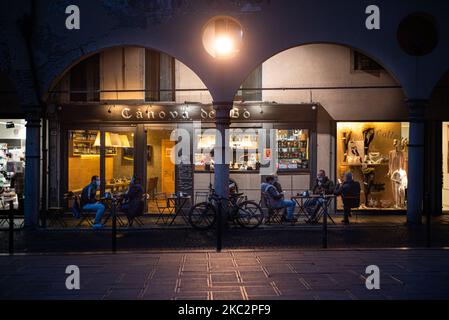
(178, 202)
(108, 202)
(301, 201)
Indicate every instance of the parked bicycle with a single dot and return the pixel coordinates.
(246, 213)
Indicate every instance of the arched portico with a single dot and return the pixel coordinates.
(386, 96)
(269, 27)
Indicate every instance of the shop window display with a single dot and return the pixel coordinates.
(445, 166)
(377, 155)
(293, 149)
(12, 162)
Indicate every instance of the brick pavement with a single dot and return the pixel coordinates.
(234, 274)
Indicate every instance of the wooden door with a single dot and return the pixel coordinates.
(168, 167)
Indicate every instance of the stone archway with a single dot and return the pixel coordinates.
(9, 100)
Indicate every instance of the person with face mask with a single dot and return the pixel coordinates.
(89, 201)
(323, 186)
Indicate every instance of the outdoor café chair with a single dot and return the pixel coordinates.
(275, 215)
(203, 196)
(84, 214)
(163, 207)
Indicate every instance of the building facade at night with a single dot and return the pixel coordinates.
(339, 86)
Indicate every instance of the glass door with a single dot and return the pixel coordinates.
(159, 167)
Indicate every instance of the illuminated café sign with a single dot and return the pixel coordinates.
(181, 113)
(184, 113)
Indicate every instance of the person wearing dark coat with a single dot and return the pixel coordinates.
(323, 186)
(133, 205)
(277, 184)
(349, 191)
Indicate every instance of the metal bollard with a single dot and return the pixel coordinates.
(219, 226)
(114, 228)
(11, 228)
(427, 207)
(325, 224)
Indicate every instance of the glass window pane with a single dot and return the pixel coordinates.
(119, 160)
(244, 148)
(244, 144)
(12, 162)
(159, 69)
(254, 81)
(293, 149)
(152, 71)
(84, 158)
(166, 77)
(377, 155)
(85, 80)
(204, 144)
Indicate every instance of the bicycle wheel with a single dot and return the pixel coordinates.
(249, 215)
(202, 216)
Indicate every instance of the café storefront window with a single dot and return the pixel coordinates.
(85, 159)
(122, 140)
(119, 160)
(292, 149)
(377, 155)
(243, 144)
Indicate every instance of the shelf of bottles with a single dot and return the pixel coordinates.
(86, 143)
(293, 149)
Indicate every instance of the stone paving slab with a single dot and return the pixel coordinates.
(230, 275)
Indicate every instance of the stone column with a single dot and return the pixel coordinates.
(416, 155)
(54, 158)
(221, 168)
(32, 167)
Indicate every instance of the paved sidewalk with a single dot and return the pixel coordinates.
(236, 274)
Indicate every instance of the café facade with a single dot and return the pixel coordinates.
(99, 127)
(152, 149)
(291, 99)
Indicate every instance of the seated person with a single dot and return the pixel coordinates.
(350, 193)
(323, 186)
(277, 184)
(89, 201)
(277, 199)
(133, 204)
(233, 187)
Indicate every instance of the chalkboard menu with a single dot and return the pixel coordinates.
(184, 178)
